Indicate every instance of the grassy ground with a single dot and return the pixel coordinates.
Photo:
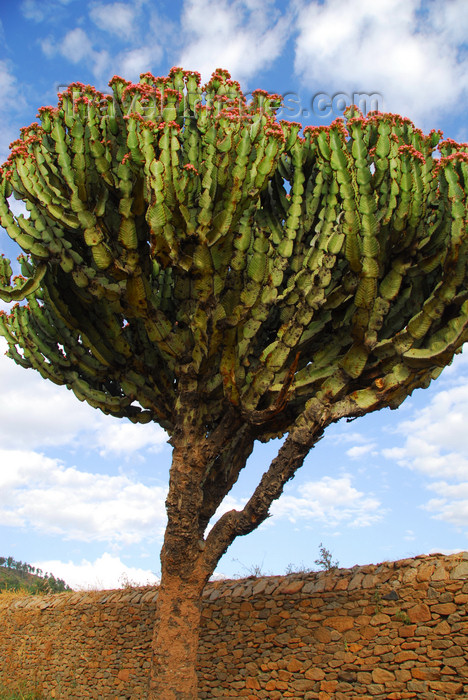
(19, 693)
(13, 580)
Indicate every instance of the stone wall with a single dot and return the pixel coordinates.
(393, 631)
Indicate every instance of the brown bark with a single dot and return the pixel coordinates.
(183, 575)
(203, 470)
(175, 640)
(236, 523)
(188, 560)
(224, 472)
(301, 439)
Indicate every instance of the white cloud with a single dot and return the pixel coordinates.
(451, 503)
(48, 46)
(446, 551)
(8, 86)
(451, 20)
(244, 36)
(31, 9)
(79, 47)
(76, 45)
(38, 10)
(126, 438)
(451, 373)
(11, 104)
(43, 494)
(359, 451)
(346, 436)
(332, 501)
(436, 439)
(138, 60)
(18, 207)
(115, 17)
(38, 413)
(108, 571)
(408, 51)
(436, 446)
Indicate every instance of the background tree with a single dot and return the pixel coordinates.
(190, 260)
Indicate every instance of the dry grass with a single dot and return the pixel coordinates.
(19, 694)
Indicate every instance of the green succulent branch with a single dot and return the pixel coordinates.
(181, 242)
(193, 261)
(23, 287)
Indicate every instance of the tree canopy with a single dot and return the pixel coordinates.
(193, 261)
(178, 234)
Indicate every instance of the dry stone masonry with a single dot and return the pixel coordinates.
(388, 632)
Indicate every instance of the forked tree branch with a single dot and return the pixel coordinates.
(290, 457)
(302, 438)
(223, 474)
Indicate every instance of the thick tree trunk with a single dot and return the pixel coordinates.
(187, 557)
(173, 674)
(175, 640)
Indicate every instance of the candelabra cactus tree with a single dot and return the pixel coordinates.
(190, 260)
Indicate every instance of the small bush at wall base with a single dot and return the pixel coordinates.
(325, 561)
(402, 617)
(19, 693)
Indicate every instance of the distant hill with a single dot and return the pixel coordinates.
(20, 576)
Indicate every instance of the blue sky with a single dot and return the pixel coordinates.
(82, 494)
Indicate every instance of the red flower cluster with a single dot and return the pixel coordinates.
(461, 157)
(144, 76)
(190, 168)
(439, 132)
(458, 157)
(291, 128)
(234, 84)
(358, 121)
(232, 115)
(448, 146)
(170, 125)
(192, 74)
(82, 88)
(290, 124)
(29, 133)
(260, 93)
(339, 125)
(47, 110)
(352, 111)
(276, 132)
(141, 89)
(116, 79)
(218, 77)
(314, 131)
(409, 150)
(21, 148)
(79, 93)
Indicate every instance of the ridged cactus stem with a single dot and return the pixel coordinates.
(192, 261)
